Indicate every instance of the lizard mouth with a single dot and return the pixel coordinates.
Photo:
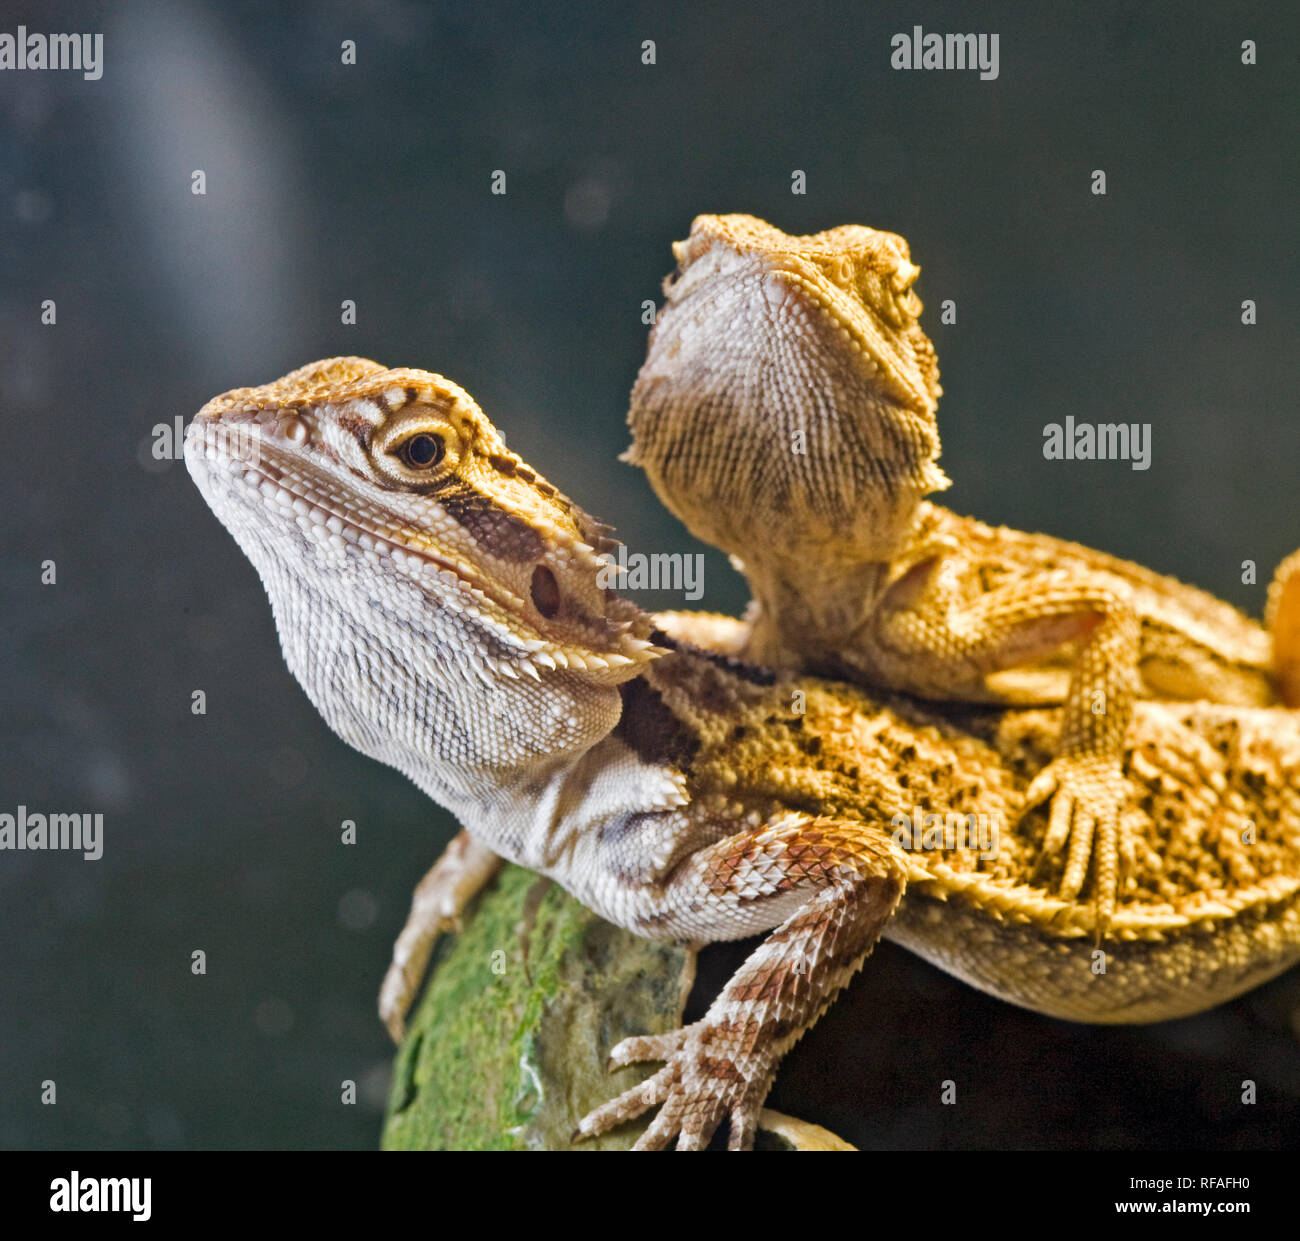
(288, 489)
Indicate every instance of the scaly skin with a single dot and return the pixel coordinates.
(786, 413)
(438, 601)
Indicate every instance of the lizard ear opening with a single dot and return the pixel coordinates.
(545, 592)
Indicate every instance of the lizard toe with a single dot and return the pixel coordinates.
(744, 1125)
(641, 1047)
(627, 1106)
(1083, 828)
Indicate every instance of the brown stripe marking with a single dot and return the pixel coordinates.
(652, 730)
(359, 428)
(497, 531)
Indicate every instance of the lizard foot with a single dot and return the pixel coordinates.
(708, 1077)
(456, 878)
(1086, 794)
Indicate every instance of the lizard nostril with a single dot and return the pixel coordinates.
(545, 591)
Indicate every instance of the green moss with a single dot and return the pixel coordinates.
(507, 1049)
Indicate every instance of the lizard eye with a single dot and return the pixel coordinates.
(422, 451)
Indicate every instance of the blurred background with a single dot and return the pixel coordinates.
(370, 182)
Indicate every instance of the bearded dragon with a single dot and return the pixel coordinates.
(439, 602)
(786, 413)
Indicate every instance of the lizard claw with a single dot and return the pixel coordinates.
(1086, 794)
(699, 1087)
(406, 970)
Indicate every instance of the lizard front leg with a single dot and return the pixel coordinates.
(462, 871)
(829, 886)
(923, 639)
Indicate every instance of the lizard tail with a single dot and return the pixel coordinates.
(1282, 616)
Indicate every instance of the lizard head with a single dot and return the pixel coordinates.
(788, 396)
(436, 597)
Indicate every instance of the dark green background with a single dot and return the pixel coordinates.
(371, 182)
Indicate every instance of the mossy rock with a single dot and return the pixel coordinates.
(508, 1047)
